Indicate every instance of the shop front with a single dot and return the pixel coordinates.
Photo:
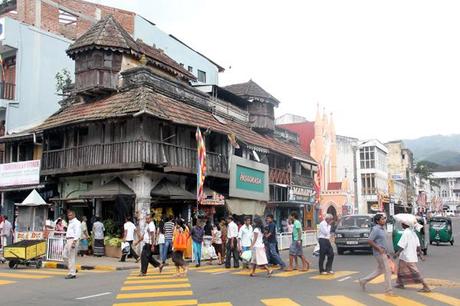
(248, 190)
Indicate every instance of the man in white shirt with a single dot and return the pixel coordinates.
(6, 231)
(129, 233)
(408, 272)
(147, 249)
(70, 250)
(232, 244)
(325, 247)
(245, 236)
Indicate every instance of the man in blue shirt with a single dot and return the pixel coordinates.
(378, 242)
(271, 243)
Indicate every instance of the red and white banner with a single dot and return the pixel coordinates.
(20, 173)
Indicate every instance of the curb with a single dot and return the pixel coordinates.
(58, 265)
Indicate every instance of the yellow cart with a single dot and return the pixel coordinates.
(25, 252)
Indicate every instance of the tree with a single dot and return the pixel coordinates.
(63, 81)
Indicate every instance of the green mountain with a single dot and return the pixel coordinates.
(440, 149)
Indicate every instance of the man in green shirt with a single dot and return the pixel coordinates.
(295, 249)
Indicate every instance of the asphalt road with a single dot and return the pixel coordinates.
(213, 284)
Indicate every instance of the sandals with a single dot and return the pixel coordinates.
(269, 274)
(252, 275)
(426, 290)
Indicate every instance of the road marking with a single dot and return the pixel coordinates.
(379, 279)
(155, 281)
(215, 270)
(202, 268)
(292, 273)
(153, 294)
(216, 304)
(23, 276)
(150, 277)
(167, 286)
(396, 300)
(336, 275)
(44, 272)
(247, 272)
(6, 282)
(93, 296)
(154, 273)
(344, 279)
(449, 300)
(278, 302)
(161, 303)
(339, 300)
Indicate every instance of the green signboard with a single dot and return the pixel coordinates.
(250, 179)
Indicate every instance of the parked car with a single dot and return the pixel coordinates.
(353, 232)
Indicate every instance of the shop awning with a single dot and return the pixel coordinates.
(168, 190)
(245, 207)
(33, 199)
(111, 190)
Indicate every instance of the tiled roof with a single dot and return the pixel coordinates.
(107, 33)
(250, 90)
(143, 99)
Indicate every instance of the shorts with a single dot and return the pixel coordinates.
(295, 249)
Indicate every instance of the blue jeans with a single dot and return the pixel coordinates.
(161, 247)
(274, 256)
(197, 251)
(164, 252)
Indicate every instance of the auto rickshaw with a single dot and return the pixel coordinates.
(441, 230)
(423, 235)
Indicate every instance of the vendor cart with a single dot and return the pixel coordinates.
(29, 247)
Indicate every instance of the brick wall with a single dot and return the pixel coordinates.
(49, 21)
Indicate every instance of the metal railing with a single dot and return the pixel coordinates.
(284, 239)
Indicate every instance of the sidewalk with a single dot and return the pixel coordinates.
(96, 263)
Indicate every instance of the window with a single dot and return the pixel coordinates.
(201, 76)
(444, 193)
(190, 69)
(368, 184)
(367, 157)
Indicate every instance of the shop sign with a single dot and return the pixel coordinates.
(29, 236)
(20, 173)
(301, 194)
(248, 179)
(213, 200)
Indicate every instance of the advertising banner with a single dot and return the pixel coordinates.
(20, 173)
(248, 179)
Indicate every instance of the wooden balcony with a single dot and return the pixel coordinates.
(301, 180)
(130, 155)
(7, 90)
(280, 176)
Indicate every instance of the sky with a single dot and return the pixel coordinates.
(385, 69)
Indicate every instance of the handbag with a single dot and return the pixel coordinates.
(180, 241)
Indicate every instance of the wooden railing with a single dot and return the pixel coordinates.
(7, 90)
(302, 180)
(280, 176)
(101, 156)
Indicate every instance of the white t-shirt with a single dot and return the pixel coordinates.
(130, 228)
(150, 228)
(245, 235)
(409, 242)
(260, 238)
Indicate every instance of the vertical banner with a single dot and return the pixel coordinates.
(201, 165)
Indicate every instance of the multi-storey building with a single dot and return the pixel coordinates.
(448, 191)
(123, 141)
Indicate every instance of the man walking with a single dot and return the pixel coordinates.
(168, 232)
(272, 245)
(147, 249)
(70, 250)
(6, 232)
(245, 237)
(232, 244)
(408, 257)
(129, 233)
(295, 250)
(197, 239)
(378, 242)
(325, 247)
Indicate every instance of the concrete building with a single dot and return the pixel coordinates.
(449, 189)
(372, 177)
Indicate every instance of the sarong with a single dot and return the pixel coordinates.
(408, 273)
(98, 247)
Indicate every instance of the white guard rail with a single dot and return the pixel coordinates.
(285, 239)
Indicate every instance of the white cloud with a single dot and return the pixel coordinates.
(386, 69)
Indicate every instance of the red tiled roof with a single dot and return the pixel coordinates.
(334, 186)
(305, 130)
(139, 99)
(250, 90)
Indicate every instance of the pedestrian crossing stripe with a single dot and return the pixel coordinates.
(151, 287)
(155, 281)
(6, 282)
(202, 268)
(278, 302)
(339, 300)
(216, 270)
(336, 275)
(396, 300)
(247, 272)
(161, 303)
(151, 277)
(154, 273)
(23, 276)
(449, 300)
(153, 294)
(380, 279)
(216, 304)
(292, 273)
(43, 272)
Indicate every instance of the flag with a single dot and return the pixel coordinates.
(201, 165)
(318, 183)
(2, 69)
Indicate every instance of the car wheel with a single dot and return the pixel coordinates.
(431, 242)
(340, 251)
(425, 251)
(437, 243)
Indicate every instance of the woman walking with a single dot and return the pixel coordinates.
(217, 242)
(259, 256)
(180, 238)
(83, 245)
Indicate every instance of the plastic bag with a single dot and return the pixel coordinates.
(316, 250)
(246, 256)
(125, 248)
(409, 220)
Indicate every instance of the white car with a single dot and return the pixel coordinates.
(450, 213)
